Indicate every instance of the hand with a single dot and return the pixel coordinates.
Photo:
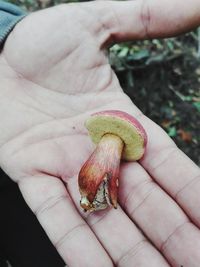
(54, 73)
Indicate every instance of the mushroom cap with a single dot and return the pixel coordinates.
(123, 125)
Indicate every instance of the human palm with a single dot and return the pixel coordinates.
(55, 73)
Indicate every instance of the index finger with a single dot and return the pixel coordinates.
(142, 19)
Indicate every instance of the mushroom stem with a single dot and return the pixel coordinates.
(98, 178)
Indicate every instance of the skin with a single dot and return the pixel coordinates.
(54, 73)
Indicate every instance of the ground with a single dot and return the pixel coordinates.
(165, 86)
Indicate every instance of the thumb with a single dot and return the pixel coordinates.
(140, 19)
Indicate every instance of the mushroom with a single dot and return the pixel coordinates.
(118, 136)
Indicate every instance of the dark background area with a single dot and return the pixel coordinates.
(162, 77)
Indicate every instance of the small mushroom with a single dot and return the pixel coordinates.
(118, 136)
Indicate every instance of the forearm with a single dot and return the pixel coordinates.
(9, 16)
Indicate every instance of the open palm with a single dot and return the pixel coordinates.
(55, 73)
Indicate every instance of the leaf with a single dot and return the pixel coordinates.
(115, 48)
(166, 124)
(170, 45)
(188, 98)
(157, 58)
(177, 71)
(172, 131)
(197, 71)
(197, 105)
(124, 52)
(144, 53)
(185, 136)
(158, 43)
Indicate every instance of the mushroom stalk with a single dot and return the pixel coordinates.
(98, 178)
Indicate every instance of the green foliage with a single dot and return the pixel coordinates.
(197, 106)
(172, 131)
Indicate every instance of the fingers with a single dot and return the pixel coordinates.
(73, 239)
(172, 169)
(120, 237)
(141, 19)
(159, 217)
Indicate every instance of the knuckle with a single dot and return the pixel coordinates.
(48, 204)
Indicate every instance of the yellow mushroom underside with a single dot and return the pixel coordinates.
(133, 141)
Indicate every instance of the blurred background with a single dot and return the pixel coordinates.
(162, 77)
